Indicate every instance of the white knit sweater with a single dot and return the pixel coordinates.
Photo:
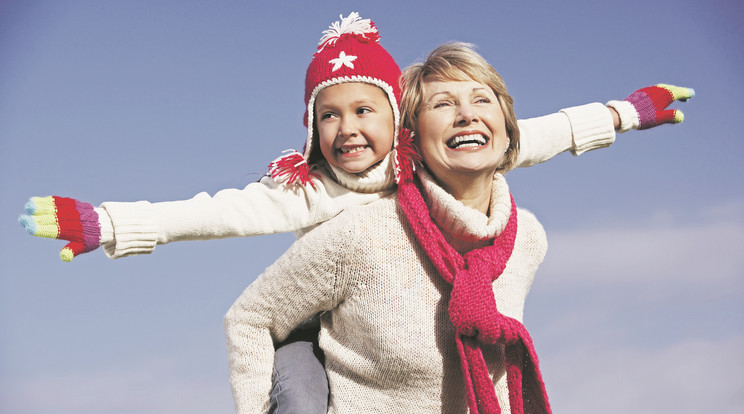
(268, 207)
(385, 330)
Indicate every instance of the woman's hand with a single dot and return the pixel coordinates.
(65, 219)
(647, 107)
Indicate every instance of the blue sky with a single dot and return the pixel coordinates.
(637, 307)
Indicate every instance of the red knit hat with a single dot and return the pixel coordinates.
(349, 51)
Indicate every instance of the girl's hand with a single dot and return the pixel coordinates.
(647, 107)
(65, 219)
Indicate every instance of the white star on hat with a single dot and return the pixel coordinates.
(342, 59)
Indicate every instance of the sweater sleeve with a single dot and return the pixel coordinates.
(265, 207)
(309, 278)
(578, 129)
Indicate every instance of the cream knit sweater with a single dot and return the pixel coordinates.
(385, 331)
(268, 207)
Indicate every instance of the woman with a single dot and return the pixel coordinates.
(382, 273)
(467, 133)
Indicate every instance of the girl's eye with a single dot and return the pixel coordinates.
(363, 110)
(327, 115)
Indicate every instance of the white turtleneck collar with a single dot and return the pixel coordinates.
(465, 222)
(379, 177)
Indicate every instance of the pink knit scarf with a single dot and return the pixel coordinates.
(472, 310)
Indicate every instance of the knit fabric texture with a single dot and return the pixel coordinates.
(65, 219)
(473, 311)
(385, 326)
(647, 107)
(650, 103)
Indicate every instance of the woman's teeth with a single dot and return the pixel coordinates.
(474, 140)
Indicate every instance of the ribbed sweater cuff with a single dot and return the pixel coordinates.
(107, 228)
(628, 115)
(592, 127)
(134, 229)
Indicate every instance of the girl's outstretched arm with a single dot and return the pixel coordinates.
(132, 228)
(587, 127)
(647, 107)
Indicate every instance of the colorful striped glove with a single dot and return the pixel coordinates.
(65, 219)
(646, 107)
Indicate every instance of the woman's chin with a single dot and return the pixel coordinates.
(472, 167)
(464, 175)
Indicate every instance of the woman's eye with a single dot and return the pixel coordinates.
(441, 104)
(483, 99)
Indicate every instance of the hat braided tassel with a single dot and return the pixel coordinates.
(292, 168)
(406, 156)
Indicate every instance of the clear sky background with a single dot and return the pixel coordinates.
(637, 308)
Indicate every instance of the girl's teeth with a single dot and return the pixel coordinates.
(351, 150)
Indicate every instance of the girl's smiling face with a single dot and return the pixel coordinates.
(355, 125)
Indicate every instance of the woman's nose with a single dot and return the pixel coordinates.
(466, 114)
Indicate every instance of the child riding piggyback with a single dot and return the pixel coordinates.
(352, 95)
(354, 137)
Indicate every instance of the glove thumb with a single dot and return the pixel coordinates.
(670, 116)
(71, 250)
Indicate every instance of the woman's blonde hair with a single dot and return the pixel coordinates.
(457, 61)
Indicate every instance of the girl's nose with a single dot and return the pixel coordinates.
(348, 128)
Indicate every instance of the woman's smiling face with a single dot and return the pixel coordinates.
(461, 130)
